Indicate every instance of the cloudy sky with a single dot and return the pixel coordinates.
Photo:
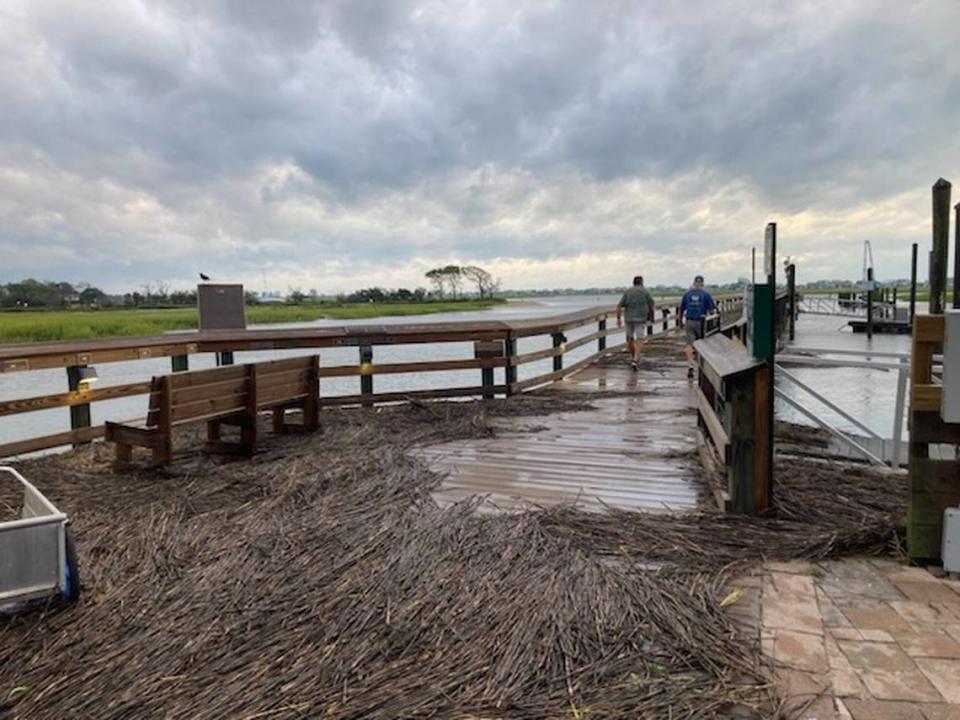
(334, 145)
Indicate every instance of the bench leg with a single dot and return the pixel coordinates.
(213, 430)
(279, 420)
(248, 437)
(311, 414)
(124, 454)
(163, 451)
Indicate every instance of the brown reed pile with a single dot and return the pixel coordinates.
(321, 580)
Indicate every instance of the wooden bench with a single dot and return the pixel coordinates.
(231, 395)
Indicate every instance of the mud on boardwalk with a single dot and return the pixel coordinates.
(320, 579)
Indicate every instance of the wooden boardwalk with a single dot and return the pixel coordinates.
(635, 450)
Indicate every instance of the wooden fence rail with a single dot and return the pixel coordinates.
(495, 344)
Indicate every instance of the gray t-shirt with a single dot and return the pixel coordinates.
(636, 303)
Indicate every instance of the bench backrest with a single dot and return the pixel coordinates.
(218, 392)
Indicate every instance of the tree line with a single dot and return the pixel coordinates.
(31, 293)
(451, 278)
(448, 281)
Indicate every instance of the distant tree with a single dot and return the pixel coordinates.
(454, 277)
(183, 297)
(296, 296)
(485, 282)
(251, 298)
(33, 293)
(92, 296)
(437, 277)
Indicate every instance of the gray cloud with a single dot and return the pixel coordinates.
(143, 139)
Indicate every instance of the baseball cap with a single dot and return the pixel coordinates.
(698, 278)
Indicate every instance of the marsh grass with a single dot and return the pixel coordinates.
(53, 325)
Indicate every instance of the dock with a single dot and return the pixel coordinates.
(634, 449)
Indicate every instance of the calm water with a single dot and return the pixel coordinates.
(866, 394)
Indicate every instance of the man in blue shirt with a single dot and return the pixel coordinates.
(696, 305)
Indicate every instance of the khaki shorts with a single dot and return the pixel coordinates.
(635, 330)
(694, 330)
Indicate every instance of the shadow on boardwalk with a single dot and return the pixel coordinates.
(322, 578)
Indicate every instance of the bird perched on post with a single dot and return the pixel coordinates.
(204, 277)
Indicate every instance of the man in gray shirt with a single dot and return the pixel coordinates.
(636, 306)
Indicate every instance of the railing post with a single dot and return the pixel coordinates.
(225, 357)
(79, 414)
(366, 372)
(602, 340)
(666, 313)
(510, 371)
(869, 303)
(898, 414)
(180, 363)
(558, 342)
(487, 351)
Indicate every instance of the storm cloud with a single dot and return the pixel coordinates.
(335, 145)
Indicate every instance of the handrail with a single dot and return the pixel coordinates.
(502, 335)
(43, 355)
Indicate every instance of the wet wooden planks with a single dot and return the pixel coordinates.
(635, 450)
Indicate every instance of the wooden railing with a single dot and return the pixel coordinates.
(934, 464)
(732, 396)
(495, 345)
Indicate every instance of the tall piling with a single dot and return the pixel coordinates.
(792, 298)
(869, 303)
(913, 282)
(956, 257)
(941, 244)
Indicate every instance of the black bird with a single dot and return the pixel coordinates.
(204, 277)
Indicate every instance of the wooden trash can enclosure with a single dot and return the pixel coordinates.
(934, 439)
(732, 397)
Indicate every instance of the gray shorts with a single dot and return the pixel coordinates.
(635, 330)
(694, 330)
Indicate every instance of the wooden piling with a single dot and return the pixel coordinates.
(792, 298)
(913, 282)
(956, 258)
(941, 243)
(602, 340)
(869, 303)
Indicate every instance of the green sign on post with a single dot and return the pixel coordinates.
(759, 303)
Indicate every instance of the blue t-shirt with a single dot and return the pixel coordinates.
(696, 304)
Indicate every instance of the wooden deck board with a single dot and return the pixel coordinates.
(634, 451)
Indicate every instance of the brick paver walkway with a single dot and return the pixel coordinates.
(867, 639)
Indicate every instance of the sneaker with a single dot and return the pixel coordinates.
(634, 366)
(690, 373)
